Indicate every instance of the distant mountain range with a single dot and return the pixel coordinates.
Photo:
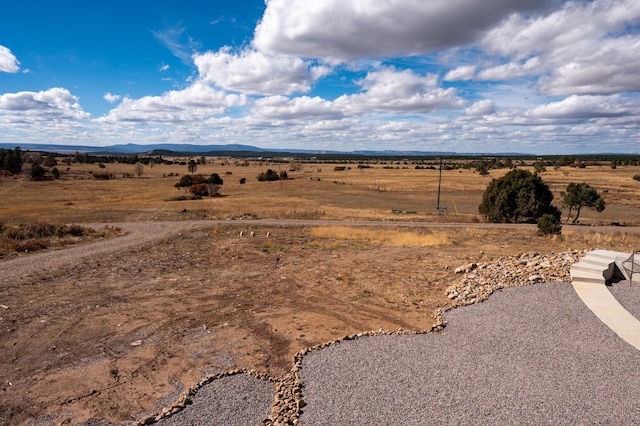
(186, 149)
(239, 150)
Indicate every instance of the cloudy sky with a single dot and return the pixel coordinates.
(531, 76)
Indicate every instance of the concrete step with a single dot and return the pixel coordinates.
(590, 267)
(599, 261)
(602, 260)
(595, 279)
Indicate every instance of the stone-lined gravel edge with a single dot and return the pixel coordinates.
(478, 282)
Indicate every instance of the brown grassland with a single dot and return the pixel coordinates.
(116, 328)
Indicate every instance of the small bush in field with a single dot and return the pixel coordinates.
(44, 230)
(37, 172)
(28, 245)
(199, 190)
(76, 230)
(549, 224)
(40, 235)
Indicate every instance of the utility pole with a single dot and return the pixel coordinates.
(439, 184)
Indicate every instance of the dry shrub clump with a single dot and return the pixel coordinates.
(383, 237)
(41, 235)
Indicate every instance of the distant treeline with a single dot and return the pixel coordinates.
(121, 159)
(11, 160)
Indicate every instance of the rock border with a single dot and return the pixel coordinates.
(478, 282)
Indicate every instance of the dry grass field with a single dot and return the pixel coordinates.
(316, 191)
(116, 328)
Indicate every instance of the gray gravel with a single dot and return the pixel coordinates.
(528, 355)
(628, 295)
(233, 400)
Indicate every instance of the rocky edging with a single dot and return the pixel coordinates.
(186, 397)
(478, 282)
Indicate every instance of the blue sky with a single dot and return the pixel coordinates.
(532, 76)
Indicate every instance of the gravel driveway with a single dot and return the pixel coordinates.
(530, 355)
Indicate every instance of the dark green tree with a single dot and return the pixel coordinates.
(269, 175)
(192, 166)
(579, 195)
(215, 179)
(11, 160)
(185, 182)
(518, 196)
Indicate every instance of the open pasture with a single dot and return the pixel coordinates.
(383, 191)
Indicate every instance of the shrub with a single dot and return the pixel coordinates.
(184, 198)
(269, 175)
(44, 230)
(243, 181)
(37, 172)
(103, 176)
(199, 189)
(549, 224)
(636, 177)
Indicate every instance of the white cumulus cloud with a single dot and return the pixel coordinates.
(483, 107)
(389, 90)
(54, 104)
(351, 29)
(586, 107)
(511, 70)
(582, 48)
(253, 72)
(8, 61)
(464, 72)
(304, 107)
(111, 98)
(197, 102)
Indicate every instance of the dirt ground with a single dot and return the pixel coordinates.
(116, 329)
(119, 333)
